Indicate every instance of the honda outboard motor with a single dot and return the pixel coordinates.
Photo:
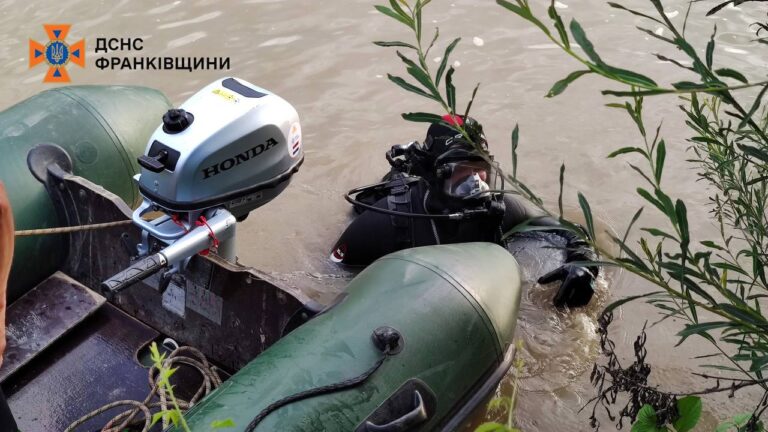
(231, 148)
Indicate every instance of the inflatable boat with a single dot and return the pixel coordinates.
(414, 343)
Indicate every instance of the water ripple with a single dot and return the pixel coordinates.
(198, 20)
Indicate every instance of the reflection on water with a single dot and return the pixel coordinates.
(319, 56)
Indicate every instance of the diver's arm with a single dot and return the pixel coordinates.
(577, 249)
(577, 285)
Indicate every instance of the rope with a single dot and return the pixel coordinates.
(330, 388)
(195, 359)
(69, 229)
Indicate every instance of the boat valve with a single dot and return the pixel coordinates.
(388, 340)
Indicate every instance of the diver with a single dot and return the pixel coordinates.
(443, 192)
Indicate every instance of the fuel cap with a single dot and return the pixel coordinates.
(176, 120)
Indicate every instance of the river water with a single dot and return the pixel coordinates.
(319, 56)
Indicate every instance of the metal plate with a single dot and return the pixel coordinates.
(42, 316)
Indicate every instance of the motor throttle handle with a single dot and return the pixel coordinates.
(137, 271)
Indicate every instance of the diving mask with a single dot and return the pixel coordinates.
(468, 179)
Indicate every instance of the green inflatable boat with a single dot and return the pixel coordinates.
(416, 342)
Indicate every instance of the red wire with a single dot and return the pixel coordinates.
(175, 218)
(202, 221)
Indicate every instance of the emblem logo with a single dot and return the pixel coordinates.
(57, 53)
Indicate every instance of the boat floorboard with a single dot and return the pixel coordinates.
(42, 316)
(94, 364)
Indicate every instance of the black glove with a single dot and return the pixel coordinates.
(577, 288)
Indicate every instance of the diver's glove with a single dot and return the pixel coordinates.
(578, 281)
(577, 288)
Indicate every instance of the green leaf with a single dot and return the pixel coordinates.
(581, 38)
(552, 11)
(560, 195)
(656, 36)
(174, 416)
(625, 150)
(219, 424)
(561, 85)
(743, 314)
(682, 220)
(647, 195)
(633, 12)
(689, 410)
(712, 245)
(514, 8)
(661, 153)
(431, 44)
(154, 352)
(730, 73)
(417, 18)
(758, 363)
(471, 100)
(587, 215)
(618, 303)
(156, 417)
(450, 90)
(491, 427)
(688, 85)
(409, 87)
(646, 420)
(635, 93)
(754, 108)
(444, 62)
(394, 44)
(711, 48)
(693, 286)
(397, 8)
(658, 233)
(629, 77)
(721, 367)
(715, 9)
(515, 141)
(669, 208)
(422, 117)
(729, 266)
(524, 12)
(699, 329)
(631, 223)
(392, 14)
(499, 403)
(421, 75)
(755, 152)
(742, 419)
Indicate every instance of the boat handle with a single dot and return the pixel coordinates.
(413, 418)
(138, 271)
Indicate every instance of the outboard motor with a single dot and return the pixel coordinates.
(231, 148)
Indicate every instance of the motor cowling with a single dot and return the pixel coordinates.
(232, 145)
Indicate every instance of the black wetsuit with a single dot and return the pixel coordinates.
(414, 187)
(373, 234)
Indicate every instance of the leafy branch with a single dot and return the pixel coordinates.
(731, 149)
(724, 277)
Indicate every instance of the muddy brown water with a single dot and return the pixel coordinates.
(319, 56)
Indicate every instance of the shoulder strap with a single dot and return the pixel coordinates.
(399, 199)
